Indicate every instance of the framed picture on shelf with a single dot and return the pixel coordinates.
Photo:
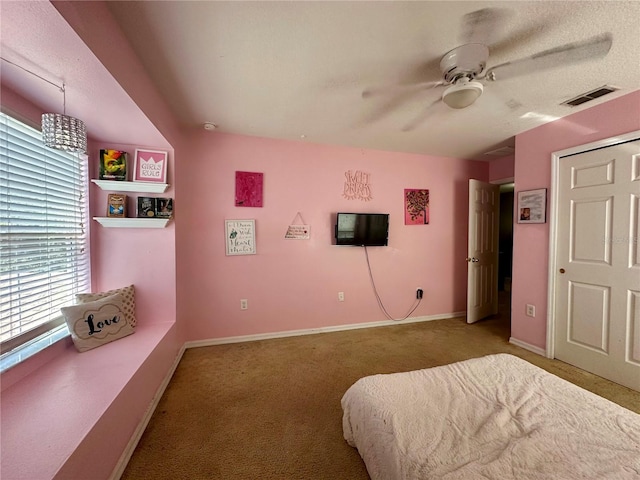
(117, 205)
(146, 207)
(150, 166)
(113, 165)
(164, 207)
(532, 206)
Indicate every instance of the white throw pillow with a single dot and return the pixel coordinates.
(128, 296)
(95, 323)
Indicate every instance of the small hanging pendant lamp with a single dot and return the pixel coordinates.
(62, 132)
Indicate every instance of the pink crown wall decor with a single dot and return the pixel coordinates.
(150, 166)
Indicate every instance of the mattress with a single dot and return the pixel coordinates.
(495, 417)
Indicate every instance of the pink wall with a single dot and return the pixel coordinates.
(501, 168)
(93, 402)
(533, 170)
(294, 284)
(143, 257)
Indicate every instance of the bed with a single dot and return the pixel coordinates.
(495, 417)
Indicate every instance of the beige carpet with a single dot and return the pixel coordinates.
(271, 409)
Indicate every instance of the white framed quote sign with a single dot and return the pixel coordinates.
(240, 237)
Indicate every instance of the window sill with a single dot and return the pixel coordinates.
(73, 401)
(16, 356)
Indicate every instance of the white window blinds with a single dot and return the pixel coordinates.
(44, 255)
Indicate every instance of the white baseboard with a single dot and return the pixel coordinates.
(312, 331)
(528, 346)
(137, 435)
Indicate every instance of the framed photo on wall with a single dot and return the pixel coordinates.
(150, 166)
(240, 237)
(416, 206)
(532, 206)
(249, 187)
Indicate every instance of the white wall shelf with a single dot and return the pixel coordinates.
(113, 222)
(121, 186)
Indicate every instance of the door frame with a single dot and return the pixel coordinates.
(556, 157)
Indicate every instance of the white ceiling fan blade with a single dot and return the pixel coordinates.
(390, 103)
(590, 49)
(398, 89)
(422, 116)
(483, 26)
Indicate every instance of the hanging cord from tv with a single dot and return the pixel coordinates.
(380, 304)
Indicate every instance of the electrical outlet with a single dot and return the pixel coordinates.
(530, 310)
(244, 304)
(419, 294)
(341, 296)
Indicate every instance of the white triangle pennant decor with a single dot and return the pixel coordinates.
(298, 230)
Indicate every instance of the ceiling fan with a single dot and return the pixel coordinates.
(463, 69)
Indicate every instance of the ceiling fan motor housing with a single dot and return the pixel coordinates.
(464, 61)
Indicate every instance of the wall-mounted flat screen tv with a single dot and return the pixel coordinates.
(362, 229)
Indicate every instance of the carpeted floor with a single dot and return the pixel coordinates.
(271, 409)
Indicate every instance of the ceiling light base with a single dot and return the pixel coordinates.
(462, 94)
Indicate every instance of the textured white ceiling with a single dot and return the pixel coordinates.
(292, 69)
(287, 69)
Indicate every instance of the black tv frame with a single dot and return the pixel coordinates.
(365, 233)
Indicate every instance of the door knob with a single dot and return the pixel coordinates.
(472, 259)
(562, 270)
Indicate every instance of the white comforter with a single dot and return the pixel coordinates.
(496, 417)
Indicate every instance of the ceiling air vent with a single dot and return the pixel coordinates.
(501, 152)
(592, 95)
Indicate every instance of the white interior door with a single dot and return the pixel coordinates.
(482, 250)
(597, 278)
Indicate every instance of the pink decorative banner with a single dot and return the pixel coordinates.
(416, 207)
(249, 189)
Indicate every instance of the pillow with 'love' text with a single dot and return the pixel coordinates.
(128, 298)
(95, 323)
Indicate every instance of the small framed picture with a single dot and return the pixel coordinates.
(249, 189)
(532, 206)
(164, 207)
(113, 165)
(116, 205)
(416, 206)
(240, 237)
(146, 207)
(150, 166)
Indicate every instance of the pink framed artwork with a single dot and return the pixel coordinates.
(249, 189)
(416, 206)
(150, 166)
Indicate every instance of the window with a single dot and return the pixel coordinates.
(44, 255)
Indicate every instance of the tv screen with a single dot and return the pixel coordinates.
(362, 229)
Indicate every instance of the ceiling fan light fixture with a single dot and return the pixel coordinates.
(462, 94)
